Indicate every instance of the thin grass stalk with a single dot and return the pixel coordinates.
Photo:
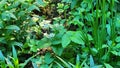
(95, 26)
(102, 35)
(113, 32)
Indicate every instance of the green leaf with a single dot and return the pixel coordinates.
(108, 65)
(58, 49)
(33, 7)
(13, 27)
(89, 37)
(44, 42)
(15, 59)
(48, 58)
(65, 40)
(116, 53)
(7, 15)
(67, 1)
(40, 2)
(21, 13)
(66, 7)
(12, 16)
(17, 44)
(97, 66)
(2, 40)
(2, 3)
(2, 60)
(91, 61)
(14, 52)
(1, 24)
(34, 65)
(116, 50)
(9, 63)
(78, 59)
(1, 56)
(33, 48)
(77, 38)
(76, 21)
(117, 39)
(94, 51)
(73, 3)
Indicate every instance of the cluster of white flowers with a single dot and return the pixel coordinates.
(49, 35)
(35, 18)
(58, 25)
(45, 24)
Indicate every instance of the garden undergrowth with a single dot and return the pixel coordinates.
(59, 34)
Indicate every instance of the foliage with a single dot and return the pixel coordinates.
(59, 33)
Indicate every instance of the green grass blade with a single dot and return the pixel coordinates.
(15, 59)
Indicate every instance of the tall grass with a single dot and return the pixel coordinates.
(99, 25)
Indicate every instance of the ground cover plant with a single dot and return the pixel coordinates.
(59, 34)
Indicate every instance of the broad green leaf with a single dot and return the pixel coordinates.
(117, 46)
(89, 17)
(12, 16)
(21, 13)
(66, 7)
(77, 38)
(116, 50)
(43, 43)
(48, 58)
(5, 16)
(94, 51)
(33, 48)
(104, 46)
(56, 41)
(65, 40)
(58, 49)
(117, 53)
(89, 37)
(12, 27)
(76, 21)
(73, 4)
